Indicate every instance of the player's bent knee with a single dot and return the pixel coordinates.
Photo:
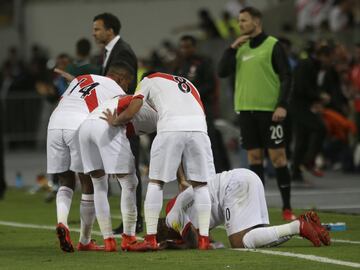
(97, 173)
(67, 179)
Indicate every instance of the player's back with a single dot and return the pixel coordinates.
(144, 121)
(83, 95)
(176, 100)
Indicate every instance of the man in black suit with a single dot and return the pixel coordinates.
(106, 29)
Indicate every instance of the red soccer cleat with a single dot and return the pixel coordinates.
(308, 231)
(110, 245)
(63, 234)
(127, 241)
(92, 246)
(204, 242)
(322, 233)
(149, 244)
(288, 215)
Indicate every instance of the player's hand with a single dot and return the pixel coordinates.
(110, 117)
(279, 114)
(240, 41)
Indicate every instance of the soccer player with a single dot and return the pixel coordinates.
(106, 150)
(238, 201)
(181, 135)
(82, 96)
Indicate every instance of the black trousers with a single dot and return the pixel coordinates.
(310, 133)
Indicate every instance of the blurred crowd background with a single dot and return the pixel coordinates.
(29, 90)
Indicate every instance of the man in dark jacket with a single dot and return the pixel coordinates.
(106, 29)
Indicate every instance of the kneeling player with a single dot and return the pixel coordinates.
(238, 201)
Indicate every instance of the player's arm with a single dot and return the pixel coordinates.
(64, 74)
(116, 120)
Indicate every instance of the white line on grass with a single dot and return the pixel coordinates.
(302, 256)
(271, 252)
(51, 228)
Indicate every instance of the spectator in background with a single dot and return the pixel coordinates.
(306, 103)
(262, 87)
(341, 16)
(355, 79)
(227, 26)
(63, 61)
(82, 65)
(106, 30)
(199, 70)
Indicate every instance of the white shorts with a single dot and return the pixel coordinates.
(63, 151)
(192, 148)
(244, 204)
(104, 147)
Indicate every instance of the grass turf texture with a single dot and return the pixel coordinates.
(26, 248)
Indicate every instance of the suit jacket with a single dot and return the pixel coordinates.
(123, 52)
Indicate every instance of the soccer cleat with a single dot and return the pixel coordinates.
(63, 234)
(204, 242)
(288, 215)
(308, 231)
(322, 233)
(110, 244)
(149, 244)
(92, 246)
(127, 241)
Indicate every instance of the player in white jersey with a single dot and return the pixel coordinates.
(181, 136)
(106, 150)
(238, 202)
(82, 96)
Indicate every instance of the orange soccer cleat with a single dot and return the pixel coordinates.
(110, 244)
(63, 234)
(92, 246)
(322, 233)
(204, 242)
(127, 241)
(288, 215)
(308, 231)
(149, 244)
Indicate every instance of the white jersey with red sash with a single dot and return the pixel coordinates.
(84, 94)
(176, 100)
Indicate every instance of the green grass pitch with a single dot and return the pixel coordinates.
(29, 248)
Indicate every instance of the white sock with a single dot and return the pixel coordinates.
(102, 207)
(202, 204)
(128, 185)
(260, 237)
(87, 217)
(63, 203)
(152, 207)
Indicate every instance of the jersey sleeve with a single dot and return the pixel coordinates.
(143, 89)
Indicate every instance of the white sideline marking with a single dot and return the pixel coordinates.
(51, 228)
(302, 256)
